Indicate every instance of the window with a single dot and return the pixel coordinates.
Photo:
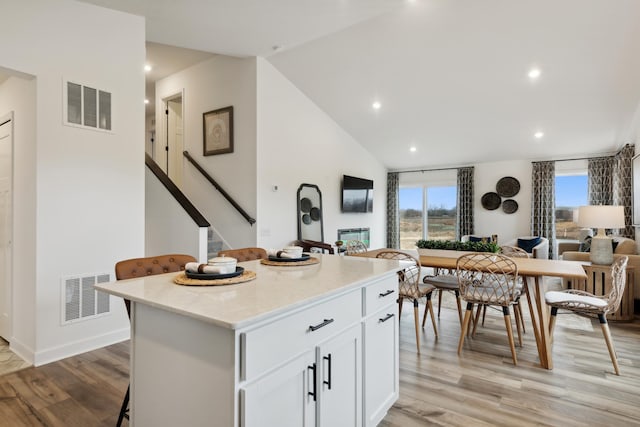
(411, 219)
(440, 221)
(571, 192)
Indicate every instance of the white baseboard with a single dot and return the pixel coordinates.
(77, 347)
(22, 350)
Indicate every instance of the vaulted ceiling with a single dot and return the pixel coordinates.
(451, 76)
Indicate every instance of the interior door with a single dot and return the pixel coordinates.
(5, 226)
(175, 144)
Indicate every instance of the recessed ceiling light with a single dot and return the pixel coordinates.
(413, 149)
(147, 68)
(376, 105)
(534, 73)
(538, 135)
(146, 101)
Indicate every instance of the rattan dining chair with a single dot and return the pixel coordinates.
(354, 247)
(245, 254)
(586, 303)
(444, 280)
(488, 279)
(511, 252)
(409, 287)
(140, 267)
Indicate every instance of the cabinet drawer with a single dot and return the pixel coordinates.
(380, 294)
(274, 343)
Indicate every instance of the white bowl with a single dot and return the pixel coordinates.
(225, 263)
(294, 251)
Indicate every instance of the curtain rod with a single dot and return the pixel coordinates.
(433, 170)
(585, 158)
(577, 158)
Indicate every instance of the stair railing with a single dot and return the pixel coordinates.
(219, 188)
(186, 204)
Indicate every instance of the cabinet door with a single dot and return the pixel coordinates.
(283, 398)
(340, 379)
(380, 364)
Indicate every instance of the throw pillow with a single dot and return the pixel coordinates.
(529, 244)
(585, 245)
(625, 246)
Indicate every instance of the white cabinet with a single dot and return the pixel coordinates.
(282, 398)
(380, 364)
(340, 379)
(323, 386)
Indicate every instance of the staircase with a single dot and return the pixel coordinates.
(214, 243)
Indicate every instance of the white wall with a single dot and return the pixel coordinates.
(89, 185)
(299, 143)
(506, 226)
(169, 228)
(216, 83)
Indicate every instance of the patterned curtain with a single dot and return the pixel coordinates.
(543, 202)
(464, 214)
(623, 187)
(600, 177)
(393, 218)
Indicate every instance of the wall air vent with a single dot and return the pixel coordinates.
(80, 301)
(86, 107)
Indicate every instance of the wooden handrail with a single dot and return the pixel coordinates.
(220, 189)
(176, 193)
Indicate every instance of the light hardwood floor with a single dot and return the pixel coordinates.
(9, 362)
(437, 388)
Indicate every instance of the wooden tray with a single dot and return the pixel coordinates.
(246, 276)
(310, 261)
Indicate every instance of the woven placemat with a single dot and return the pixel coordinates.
(310, 261)
(182, 279)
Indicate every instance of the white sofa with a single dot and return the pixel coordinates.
(541, 250)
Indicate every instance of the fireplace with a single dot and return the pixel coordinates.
(361, 234)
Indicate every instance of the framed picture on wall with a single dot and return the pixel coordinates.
(636, 190)
(217, 128)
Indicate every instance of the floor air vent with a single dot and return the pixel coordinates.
(80, 300)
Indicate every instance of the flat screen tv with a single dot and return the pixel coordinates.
(357, 194)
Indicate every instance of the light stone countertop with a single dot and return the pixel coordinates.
(275, 290)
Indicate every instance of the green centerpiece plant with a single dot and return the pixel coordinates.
(454, 245)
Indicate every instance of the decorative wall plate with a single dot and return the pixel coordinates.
(315, 214)
(508, 186)
(305, 205)
(509, 206)
(490, 201)
(306, 218)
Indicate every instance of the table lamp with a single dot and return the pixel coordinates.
(601, 217)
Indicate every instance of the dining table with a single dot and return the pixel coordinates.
(532, 270)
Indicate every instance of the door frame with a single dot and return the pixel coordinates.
(9, 118)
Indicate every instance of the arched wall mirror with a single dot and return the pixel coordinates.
(310, 225)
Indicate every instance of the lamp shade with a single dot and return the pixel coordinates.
(601, 216)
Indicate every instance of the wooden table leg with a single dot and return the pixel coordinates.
(534, 318)
(543, 321)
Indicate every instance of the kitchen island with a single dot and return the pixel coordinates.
(297, 346)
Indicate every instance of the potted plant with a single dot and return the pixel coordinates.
(453, 245)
